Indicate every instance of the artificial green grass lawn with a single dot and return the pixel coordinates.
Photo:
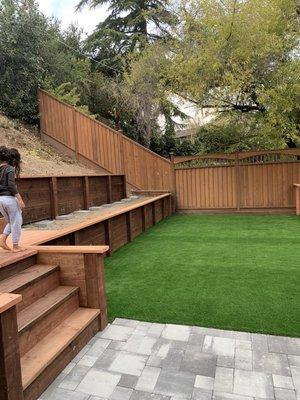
(230, 272)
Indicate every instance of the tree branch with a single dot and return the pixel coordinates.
(232, 21)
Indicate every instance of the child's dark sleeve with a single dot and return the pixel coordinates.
(11, 182)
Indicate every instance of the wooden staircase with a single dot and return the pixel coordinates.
(52, 326)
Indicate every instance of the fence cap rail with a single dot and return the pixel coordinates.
(71, 249)
(236, 155)
(115, 132)
(8, 300)
(68, 176)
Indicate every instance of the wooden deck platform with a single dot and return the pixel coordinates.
(38, 237)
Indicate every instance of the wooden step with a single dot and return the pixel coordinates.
(44, 353)
(34, 313)
(32, 283)
(13, 263)
(44, 315)
(8, 258)
(26, 278)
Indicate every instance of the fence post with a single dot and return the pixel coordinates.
(107, 232)
(297, 197)
(237, 181)
(174, 189)
(10, 364)
(120, 132)
(153, 213)
(41, 115)
(109, 189)
(124, 186)
(129, 226)
(75, 132)
(86, 192)
(143, 218)
(95, 285)
(53, 197)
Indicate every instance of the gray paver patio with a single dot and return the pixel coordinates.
(134, 360)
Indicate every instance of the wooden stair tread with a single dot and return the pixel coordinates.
(8, 258)
(44, 306)
(47, 350)
(26, 277)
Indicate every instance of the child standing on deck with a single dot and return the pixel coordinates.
(11, 203)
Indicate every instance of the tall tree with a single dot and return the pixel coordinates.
(21, 65)
(131, 24)
(240, 56)
(35, 52)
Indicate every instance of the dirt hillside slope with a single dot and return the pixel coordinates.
(38, 157)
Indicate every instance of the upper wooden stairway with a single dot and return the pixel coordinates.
(52, 325)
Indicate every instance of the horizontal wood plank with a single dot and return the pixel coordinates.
(71, 249)
(45, 352)
(26, 278)
(8, 300)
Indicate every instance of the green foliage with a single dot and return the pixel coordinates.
(69, 95)
(167, 144)
(126, 29)
(231, 132)
(35, 53)
(283, 100)
(22, 31)
(240, 56)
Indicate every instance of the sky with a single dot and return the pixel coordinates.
(65, 11)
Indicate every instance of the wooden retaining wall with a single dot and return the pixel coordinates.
(47, 197)
(92, 141)
(239, 182)
(117, 230)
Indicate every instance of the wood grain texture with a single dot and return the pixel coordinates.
(47, 350)
(26, 278)
(93, 231)
(137, 222)
(10, 368)
(297, 198)
(118, 227)
(47, 376)
(47, 197)
(41, 320)
(95, 286)
(8, 300)
(103, 146)
(70, 249)
(240, 187)
(72, 271)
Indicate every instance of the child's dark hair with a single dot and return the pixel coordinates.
(4, 154)
(15, 160)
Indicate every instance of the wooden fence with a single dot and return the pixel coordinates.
(246, 181)
(95, 142)
(249, 181)
(46, 197)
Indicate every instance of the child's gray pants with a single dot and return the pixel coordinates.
(10, 209)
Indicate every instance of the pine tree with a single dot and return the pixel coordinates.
(130, 25)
